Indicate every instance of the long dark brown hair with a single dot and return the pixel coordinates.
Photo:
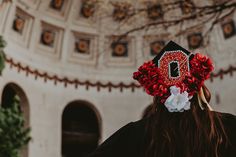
(192, 133)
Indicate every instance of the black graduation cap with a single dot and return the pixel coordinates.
(170, 46)
(173, 61)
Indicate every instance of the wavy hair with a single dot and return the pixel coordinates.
(198, 132)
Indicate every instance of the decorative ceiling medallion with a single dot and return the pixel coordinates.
(120, 49)
(21, 27)
(18, 24)
(83, 49)
(154, 11)
(50, 40)
(195, 40)
(228, 29)
(82, 46)
(57, 4)
(153, 44)
(187, 7)
(57, 9)
(87, 8)
(156, 47)
(121, 10)
(48, 37)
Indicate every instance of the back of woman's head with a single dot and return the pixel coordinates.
(197, 132)
(182, 122)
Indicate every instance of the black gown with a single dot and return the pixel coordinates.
(129, 140)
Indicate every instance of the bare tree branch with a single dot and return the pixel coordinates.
(208, 14)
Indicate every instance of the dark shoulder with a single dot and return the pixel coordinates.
(124, 142)
(229, 123)
(140, 124)
(227, 119)
(129, 131)
(133, 129)
(137, 126)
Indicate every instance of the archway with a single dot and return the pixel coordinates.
(10, 91)
(80, 129)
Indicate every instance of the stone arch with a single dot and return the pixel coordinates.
(81, 129)
(11, 90)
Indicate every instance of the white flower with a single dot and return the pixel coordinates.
(177, 102)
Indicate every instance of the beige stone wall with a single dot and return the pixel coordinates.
(47, 100)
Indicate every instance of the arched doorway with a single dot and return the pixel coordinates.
(10, 91)
(80, 129)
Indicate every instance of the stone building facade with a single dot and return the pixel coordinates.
(62, 64)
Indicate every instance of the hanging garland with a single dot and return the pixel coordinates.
(56, 79)
(66, 81)
(231, 69)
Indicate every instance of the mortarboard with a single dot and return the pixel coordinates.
(175, 74)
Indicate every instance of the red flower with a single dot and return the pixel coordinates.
(193, 84)
(201, 66)
(137, 75)
(148, 75)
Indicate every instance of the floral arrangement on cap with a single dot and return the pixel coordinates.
(174, 76)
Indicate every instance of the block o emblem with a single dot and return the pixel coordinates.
(174, 66)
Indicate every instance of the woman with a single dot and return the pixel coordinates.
(181, 123)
